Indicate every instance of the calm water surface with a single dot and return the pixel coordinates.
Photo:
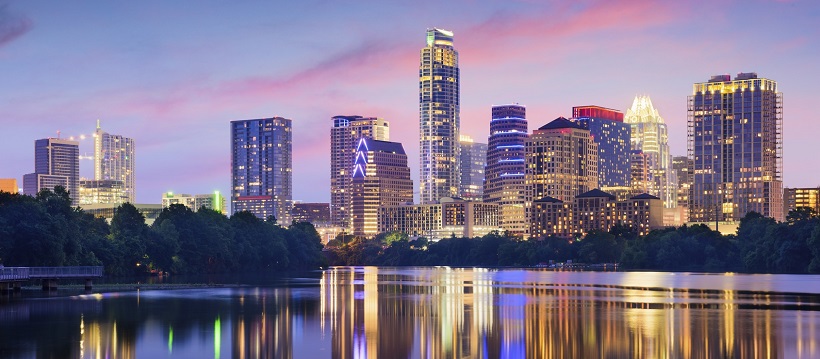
(430, 313)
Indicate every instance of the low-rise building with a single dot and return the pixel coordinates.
(794, 198)
(214, 201)
(449, 217)
(102, 191)
(316, 213)
(594, 210)
(106, 210)
(9, 185)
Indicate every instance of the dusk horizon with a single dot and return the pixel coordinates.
(173, 78)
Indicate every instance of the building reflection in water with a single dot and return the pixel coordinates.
(475, 313)
(423, 313)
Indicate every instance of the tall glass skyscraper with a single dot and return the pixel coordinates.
(473, 159)
(504, 173)
(612, 135)
(344, 137)
(649, 135)
(735, 140)
(438, 118)
(56, 163)
(114, 161)
(261, 168)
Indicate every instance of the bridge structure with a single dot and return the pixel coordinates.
(11, 278)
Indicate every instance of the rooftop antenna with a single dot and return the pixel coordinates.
(58, 134)
(98, 123)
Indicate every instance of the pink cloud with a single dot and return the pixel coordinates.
(12, 26)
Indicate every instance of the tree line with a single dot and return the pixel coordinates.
(761, 245)
(47, 231)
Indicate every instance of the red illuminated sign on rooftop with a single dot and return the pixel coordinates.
(597, 112)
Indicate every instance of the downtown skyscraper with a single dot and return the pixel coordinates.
(56, 163)
(562, 161)
(650, 136)
(473, 158)
(381, 177)
(505, 169)
(612, 135)
(344, 139)
(114, 161)
(735, 142)
(439, 170)
(261, 168)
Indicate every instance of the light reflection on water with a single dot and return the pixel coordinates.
(432, 313)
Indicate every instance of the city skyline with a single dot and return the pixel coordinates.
(174, 87)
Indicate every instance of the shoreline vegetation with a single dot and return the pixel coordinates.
(46, 231)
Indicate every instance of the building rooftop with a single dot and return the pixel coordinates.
(645, 196)
(596, 193)
(560, 122)
(384, 146)
(549, 199)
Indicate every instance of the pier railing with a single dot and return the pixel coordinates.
(26, 273)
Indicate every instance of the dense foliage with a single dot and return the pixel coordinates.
(761, 246)
(47, 231)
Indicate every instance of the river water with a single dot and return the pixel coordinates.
(368, 312)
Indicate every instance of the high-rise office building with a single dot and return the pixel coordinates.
(504, 173)
(682, 166)
(735, 140)
(344, 137)
(473, 159)
(438, 118)
(114, 161)
(380, 178)
(562, 161)
(56, 163)
(612, 135)
(650, 136)
(261, 168)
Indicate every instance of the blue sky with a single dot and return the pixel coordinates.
(172, 75)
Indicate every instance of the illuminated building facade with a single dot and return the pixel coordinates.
(612, 135)
(344, 137)
(380, 178)
(649, 135)
(452, 216)
(682, 166)
(214, 201)
(261, 168)
(794, 198)
(735, 140)
(315, 213)
(562, 161)
(114, 161)
(594, 210)
(8, 185)
(505, 169)
(473, 156)
(439, 118)
(102, 191)
(56, 163)
(106, 210)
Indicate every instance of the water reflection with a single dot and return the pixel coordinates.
(430, 313)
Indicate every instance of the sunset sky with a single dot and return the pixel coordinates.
(172, 75)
